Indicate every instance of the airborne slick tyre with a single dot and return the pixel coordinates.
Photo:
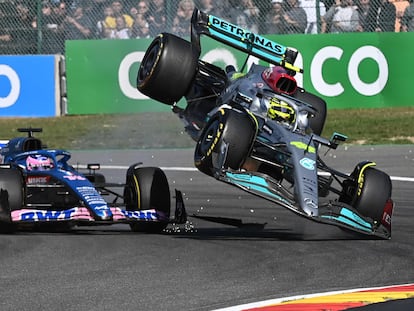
(147, 188)
(225, 141)
(167, 69)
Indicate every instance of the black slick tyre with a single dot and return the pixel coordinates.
(318, 121)
(167, 69)
(375, 191)
(147, 188)
(11, 197)
(225, 141)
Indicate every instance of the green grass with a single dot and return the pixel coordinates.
(164, 130)
(373, 126)
(133, 131)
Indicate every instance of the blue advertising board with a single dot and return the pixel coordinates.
(28, 86)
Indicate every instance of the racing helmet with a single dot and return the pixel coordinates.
(281, 111)
(38, 163)
(279, 80)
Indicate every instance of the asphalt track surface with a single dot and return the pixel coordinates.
(204, 265)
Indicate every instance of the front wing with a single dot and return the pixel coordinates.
(82, 215)
(336, 213)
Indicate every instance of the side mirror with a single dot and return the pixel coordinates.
(337, 138)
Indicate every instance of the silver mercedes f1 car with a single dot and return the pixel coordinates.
(259, 131)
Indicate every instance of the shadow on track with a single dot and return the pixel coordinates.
(257, 231)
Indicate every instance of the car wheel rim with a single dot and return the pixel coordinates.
(149, 62)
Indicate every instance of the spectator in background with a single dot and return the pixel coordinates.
(157, 17)
(244, 14)
(53, 39)
(363, 7)
(274, 22)
(24, 28)
(59, 11)
(252, 12)
(94, 9)
(216, 8)
(122, 30)
(407, 20)
(381, 16)
(236, 16)
(326, 20)
(329, 3)
(342, 17)
(77, 25)
(103, 31)
(98, 5)
(25, 18)
(400, 6)
(50, 19)
(182, 20)
(141, 7)
(140, 29)
(72, 4)
(118, 10)
(208, 7)
(294, 17)
(5, 35)
(314, 10)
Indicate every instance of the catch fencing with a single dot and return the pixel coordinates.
(43, 26)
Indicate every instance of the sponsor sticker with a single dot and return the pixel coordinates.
(307, 163)
(37, 180)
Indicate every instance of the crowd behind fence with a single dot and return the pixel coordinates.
(43, 26)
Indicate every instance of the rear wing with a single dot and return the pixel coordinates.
(240, 39)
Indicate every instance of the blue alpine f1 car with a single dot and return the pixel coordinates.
(258, 130)
(39, 188)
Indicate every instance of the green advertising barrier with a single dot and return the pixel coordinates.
(356, 70)
(101, 77)
(367, 70)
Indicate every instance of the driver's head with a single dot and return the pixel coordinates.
(38, 163)
(281, 111)
(279, 80)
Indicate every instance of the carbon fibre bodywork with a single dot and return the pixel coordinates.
(40, 187)
(264, 137)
